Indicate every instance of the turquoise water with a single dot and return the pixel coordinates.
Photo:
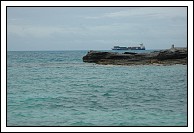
(55, 88)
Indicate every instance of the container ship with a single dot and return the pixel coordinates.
(141, 47)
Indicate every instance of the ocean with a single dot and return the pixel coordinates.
(56, 88)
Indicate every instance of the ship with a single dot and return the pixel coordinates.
(141, 47)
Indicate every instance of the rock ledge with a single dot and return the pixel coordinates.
(164, 57)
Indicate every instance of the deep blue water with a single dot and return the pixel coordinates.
(55, 88)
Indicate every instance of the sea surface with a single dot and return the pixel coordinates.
(56, 88)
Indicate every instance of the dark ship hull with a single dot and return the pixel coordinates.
(141, 47)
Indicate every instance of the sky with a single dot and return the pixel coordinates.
(95, 28)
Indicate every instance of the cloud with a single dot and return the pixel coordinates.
(40, 31)
(34, 31)
(69, 31)
(110, 15)
(144, 12)
(153, 26)
(12, 19)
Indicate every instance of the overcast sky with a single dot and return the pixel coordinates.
(95, 28)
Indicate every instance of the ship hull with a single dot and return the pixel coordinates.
(141, 47)
(128, 49)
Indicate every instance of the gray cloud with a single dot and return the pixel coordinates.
(95, 28)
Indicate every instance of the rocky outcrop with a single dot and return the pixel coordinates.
(172, 54)
(166, 57)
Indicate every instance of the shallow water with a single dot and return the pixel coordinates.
(55, 88)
